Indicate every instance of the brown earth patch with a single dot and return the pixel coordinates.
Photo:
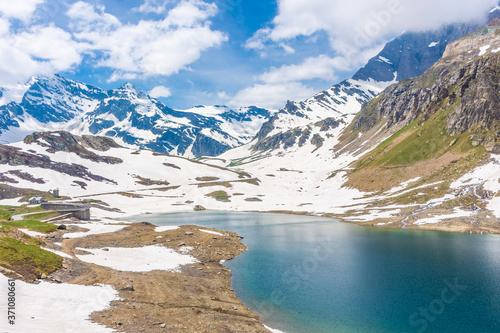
(197, 299)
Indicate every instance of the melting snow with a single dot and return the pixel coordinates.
(45, 307)
(211, 232)
(94, 229)
(438, 218)
(165, 228)
(32, 233)
(385, 60)
(59, 253)
(273, 330)
(139, 259)
(483, 49)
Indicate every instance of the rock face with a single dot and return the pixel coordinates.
(465, 83)
(296, 123)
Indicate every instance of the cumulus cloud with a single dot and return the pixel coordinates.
(321, 67)
(39, 50)
(153, 6)
(280, 84)
(160, 91)
(357, 30)
(271, 96)
(19, 9)
(132, 50)
(147, 48)
(356, 25)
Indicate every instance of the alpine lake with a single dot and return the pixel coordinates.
(306, 274)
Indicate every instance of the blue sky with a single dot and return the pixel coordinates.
(192, 52)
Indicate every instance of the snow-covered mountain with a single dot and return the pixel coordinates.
(131, 117)
(407, 56)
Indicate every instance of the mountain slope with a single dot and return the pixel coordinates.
(422, 154)
(433, 169)
(433, 131)
(407, 56)
(128, 115)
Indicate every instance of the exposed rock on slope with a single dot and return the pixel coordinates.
(463, 87)
(407, 56)
(64, 141)
(429, 133)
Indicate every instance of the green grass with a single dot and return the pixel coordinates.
(47, 197)
(31, 225)
(207, 179)
(426, 140)
(219, 195)
(41, 216)
(225, 184)
(253, 181)
(6, 212)
(19, 257)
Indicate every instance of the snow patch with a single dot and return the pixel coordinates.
(273, 330)
(165, 228)
(438, 218)
(59, 253)
(32, 233)
(45, 307)
(139, 259)
(402, 186)
(385, 60)
(211, 232)
(94, 229)
(483, 49)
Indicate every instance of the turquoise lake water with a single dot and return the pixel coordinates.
(315, 275)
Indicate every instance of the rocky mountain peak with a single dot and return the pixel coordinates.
(458, 95)
(483, 41)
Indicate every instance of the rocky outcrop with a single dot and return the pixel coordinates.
(15, 157)
(464, 85)
(64, 141)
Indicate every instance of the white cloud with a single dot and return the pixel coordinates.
(148, 47)
(223, 95)
(190, 12)
(356, 25)
(36, 51)
(19, 9)
(271, 96)
(83, 15)
(321, 67)
(160, 91)
(288, 49)
(153, 6)
(259, 39)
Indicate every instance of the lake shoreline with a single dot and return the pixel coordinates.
(197, 296)
(485, 224)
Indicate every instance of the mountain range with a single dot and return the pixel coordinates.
(405, 57)
(129, 116)
(420, 152)
(136, 120)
